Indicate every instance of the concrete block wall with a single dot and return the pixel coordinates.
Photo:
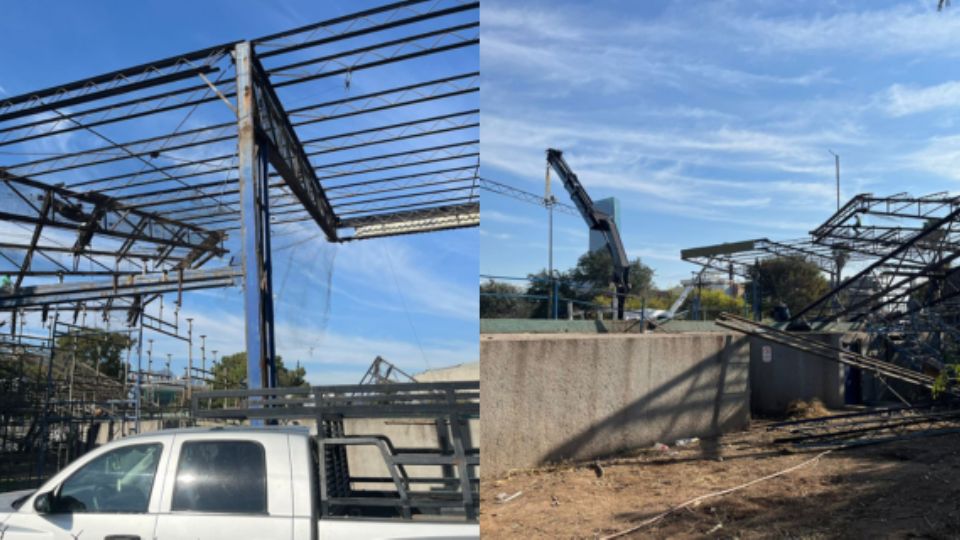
(547, 398)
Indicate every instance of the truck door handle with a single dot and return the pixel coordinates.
(121, 537)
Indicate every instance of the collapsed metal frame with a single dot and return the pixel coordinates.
(448, 405)
(906, 292)
(740, 258)
(388, 157)
(900, 257)
(382, 371)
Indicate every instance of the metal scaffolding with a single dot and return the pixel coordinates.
(174, 175)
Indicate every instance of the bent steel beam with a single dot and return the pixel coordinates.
(93, 213)
(932, 229)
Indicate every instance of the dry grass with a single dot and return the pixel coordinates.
(799, 409)
(900, 490)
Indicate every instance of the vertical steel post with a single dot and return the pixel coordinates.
(44, 424)
(255, 229)
(755, 285)
(837, 162)
(189, 392)
(548, 201)
(139, 373)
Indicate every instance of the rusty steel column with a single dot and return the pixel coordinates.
(255, 227)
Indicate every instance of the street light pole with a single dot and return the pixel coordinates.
(189, 392)
(203, 358)
(549, 200)
(836, 161)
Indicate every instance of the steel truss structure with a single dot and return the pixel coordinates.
(365, 124)
(515, 193)
(739, 258)
(383, 371)
(905, 292)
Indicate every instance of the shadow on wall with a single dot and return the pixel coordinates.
(548, 399)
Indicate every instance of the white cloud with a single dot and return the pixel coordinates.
(902, 100)
(914, 28)
(653, 162)
(391, 267)
(319, 352)
(510, 219)
(496, 236)
(941, 156)
(532, 22)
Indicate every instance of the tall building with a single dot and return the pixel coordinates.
(610, 206)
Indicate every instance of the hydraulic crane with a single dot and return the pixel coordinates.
(597, 220)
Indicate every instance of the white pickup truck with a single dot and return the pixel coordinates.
(201, 483)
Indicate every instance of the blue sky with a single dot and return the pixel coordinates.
(710, 121)
(409, 299)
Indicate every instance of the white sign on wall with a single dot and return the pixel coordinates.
(767, 353)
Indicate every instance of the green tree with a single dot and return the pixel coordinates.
(231, 372)
(496, 301)
(792, 281)
(663, 299)
(713, 302)
(594, 271)
(98, 349)
(540, 286)
(594, 274)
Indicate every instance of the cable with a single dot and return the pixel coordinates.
(403, 302)
(695, 500)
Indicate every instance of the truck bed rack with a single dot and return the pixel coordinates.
(448, 406)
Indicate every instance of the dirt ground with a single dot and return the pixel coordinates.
(904, 489)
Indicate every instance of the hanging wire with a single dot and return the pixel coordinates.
(403, 302)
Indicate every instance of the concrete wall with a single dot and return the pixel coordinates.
(550, 398)
(782, 375)
(469, 371)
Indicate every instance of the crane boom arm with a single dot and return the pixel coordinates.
(597, 220)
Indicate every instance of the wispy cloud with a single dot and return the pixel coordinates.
(940, 156)
(349, 352)
(907, 29)
(510, 219)
(901, 100)
(653, 162)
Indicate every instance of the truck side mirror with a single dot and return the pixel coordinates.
(44, 503)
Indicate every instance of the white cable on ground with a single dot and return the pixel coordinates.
(658, 517)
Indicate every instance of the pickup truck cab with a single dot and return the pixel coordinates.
(201, 483)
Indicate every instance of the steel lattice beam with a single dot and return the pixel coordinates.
(286, 154)
(415, 221)
(68, 294)
(92, 213)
